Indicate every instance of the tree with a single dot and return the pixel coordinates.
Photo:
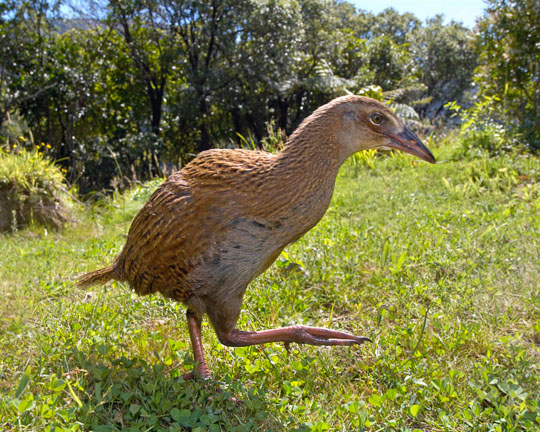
(152, 46)
(390, 64)
(207, 33)
(122, 87)
(444, 61)
(24, 38)
(265, 67)
(509, 54)
(294, 56)
(394, 25)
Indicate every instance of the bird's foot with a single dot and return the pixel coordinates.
(190, 376)
(323, 336)
(201, 372)
(298, 334)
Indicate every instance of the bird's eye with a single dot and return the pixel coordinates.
(376, 118)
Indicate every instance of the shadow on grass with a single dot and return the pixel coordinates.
(131, 395)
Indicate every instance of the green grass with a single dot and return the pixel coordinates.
(437, 264)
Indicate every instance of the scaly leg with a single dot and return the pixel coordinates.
(194, 326)
(299, 334)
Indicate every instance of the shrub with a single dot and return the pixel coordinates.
(491, 141)
(480, 134)
(31, 189)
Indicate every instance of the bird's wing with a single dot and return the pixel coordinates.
(162, 240)
(185, 219)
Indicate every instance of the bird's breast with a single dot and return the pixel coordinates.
(251, 244)
(248, 248)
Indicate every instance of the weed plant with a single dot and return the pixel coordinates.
(32, 189)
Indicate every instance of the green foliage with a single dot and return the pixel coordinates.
(275, 138)
(480, 134)
(509, 56)
(397, 26)
(489, 141)
(273, 142)
(365, 159)
(437, 264)
(389, 63)
(445, 60)
(29, 170)
(32, 188)
(374, 92)
(125, 90)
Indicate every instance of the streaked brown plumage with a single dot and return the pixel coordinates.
(222, 220)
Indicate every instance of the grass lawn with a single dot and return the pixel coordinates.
(439, 265)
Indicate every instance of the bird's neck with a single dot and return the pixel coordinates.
(311, 155)
(307, 169)
(310, 161)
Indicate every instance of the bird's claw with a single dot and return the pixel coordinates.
(323, 336)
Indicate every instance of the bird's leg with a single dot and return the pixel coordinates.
(299, 334)
(194, 326)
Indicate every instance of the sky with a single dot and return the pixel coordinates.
(464, 11)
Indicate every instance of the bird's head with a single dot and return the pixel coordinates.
(364, 123)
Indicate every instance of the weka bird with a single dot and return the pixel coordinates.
(222, 220)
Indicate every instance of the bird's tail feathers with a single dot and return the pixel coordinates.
(99, 276)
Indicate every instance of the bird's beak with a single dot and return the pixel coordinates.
(408, 142)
